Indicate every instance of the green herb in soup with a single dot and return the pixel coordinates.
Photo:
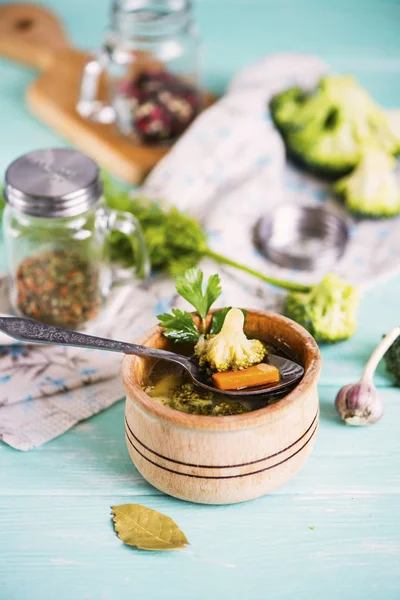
(176, 392)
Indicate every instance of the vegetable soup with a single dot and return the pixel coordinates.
(171, 385)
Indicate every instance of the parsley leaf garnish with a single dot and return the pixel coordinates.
(190, 286)
(179, 326)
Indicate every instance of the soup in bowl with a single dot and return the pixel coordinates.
(214, 457)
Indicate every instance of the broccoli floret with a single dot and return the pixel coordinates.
(373, 188)
(285, 106)
(328, 311)
(326, 129)
(392, 360)
(230, 350)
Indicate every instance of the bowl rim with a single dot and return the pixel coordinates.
(224, 423)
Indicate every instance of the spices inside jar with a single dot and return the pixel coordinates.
(160, 105)
(58, 287)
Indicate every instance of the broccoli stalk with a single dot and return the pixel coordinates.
(328, 311)
(326, 128)
(372, 189)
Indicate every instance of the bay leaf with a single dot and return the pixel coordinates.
(145, 528)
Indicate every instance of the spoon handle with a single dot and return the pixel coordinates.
(30, 331)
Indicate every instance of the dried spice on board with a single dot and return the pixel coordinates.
(162, 105)
(58, 287)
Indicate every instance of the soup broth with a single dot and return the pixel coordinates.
(172, 386)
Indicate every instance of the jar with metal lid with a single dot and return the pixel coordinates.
(150, 59)
(56, 227)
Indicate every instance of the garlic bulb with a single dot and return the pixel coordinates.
(359, 403)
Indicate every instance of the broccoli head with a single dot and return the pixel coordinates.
(328, 311)
(325, 129)
(392, 360)
(373, 188)
(230, 350)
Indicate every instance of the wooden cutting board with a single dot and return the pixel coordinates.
(34, 36)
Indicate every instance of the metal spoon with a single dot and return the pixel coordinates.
(30, 331)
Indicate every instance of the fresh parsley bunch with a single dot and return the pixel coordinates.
(175, 241)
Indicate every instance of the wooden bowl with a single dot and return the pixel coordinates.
(222, 460)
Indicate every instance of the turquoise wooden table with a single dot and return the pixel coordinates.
(334, 531)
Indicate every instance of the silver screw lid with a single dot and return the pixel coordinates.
(56, 182)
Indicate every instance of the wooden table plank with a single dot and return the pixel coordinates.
(67, 549)
(56, 540)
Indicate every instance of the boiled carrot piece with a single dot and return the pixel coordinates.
(256, 375)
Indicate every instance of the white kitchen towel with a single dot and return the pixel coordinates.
(228, 169)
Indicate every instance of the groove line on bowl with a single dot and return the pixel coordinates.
(246, 464)
(223, 476)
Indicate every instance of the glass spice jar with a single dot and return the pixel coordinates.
(150, 59)
(56, 227)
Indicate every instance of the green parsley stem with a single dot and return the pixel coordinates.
(286, 285)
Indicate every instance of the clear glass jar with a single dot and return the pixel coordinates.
(150, 59)
(56, 228)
